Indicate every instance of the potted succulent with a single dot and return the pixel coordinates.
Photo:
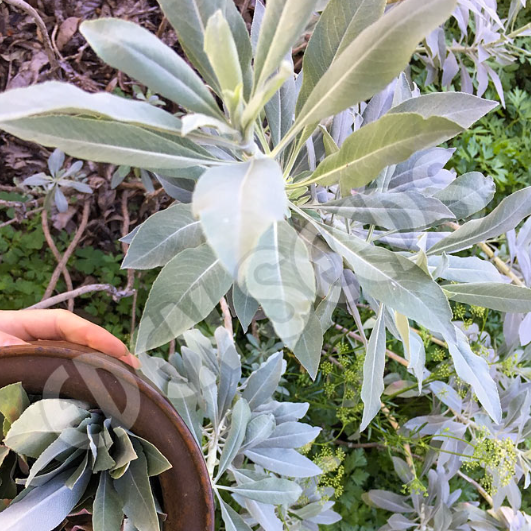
(92, 397)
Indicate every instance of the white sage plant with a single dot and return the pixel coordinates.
(301, 189)
(249, 439)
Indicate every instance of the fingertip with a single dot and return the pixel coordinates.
(131, 360)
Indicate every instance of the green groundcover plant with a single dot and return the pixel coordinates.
(307, 189)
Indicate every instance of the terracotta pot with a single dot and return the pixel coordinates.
(52, 369)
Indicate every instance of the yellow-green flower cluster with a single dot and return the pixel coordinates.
(498, 458)
(330, 463)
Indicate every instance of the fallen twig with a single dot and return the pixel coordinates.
(58, 256)
(68, 253)
(83, 290)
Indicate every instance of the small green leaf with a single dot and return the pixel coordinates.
(244, 305)
(309, 345)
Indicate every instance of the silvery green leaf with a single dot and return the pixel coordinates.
(244, 305)
(283, 23)
(468, 194)
(288, 411)
(142, 56)
(154, 369)
(44, 507)
(107, 509)
(180, 188)
(221, 50)
(230, 370)
(70, 440)
(388, 501)
(232, 520)
(394, 280)
(389, 140)
(62, 98)
(202, 345)
(102, 460)
(73, 170)
(284, 461)
(373, 371)
(290, 435)
(162, 236)
(124, 452)
(373, 59)
(156, 462)
(108, 141)
(280, 109)
(209, 391)
(273, 491)
(280, 277)
(136, 495)
(56, 161)
(420, 171)
(394, 211)
(506, 216)
(193, 122)
(496, 296)
(326, 307)
(237, 203)
(464, 269)
(309, 345)
(259, 429)
(263, 382)
(417, 359)
(474, 370)
(185, 292)
(191, 32)
(339, 24)
(447, 395)
(184, 400)
(327, 517)
(41, 424)
(78, 473)
(459, 107)
(60, 200)
(80, 187)
(328, 265)
(241, 414)
(38, 179)
(399, 522)
(258, 18)
(263, 513)
(192, 364)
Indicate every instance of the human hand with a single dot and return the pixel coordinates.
(18, 327)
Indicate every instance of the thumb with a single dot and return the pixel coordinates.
(7, 340)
